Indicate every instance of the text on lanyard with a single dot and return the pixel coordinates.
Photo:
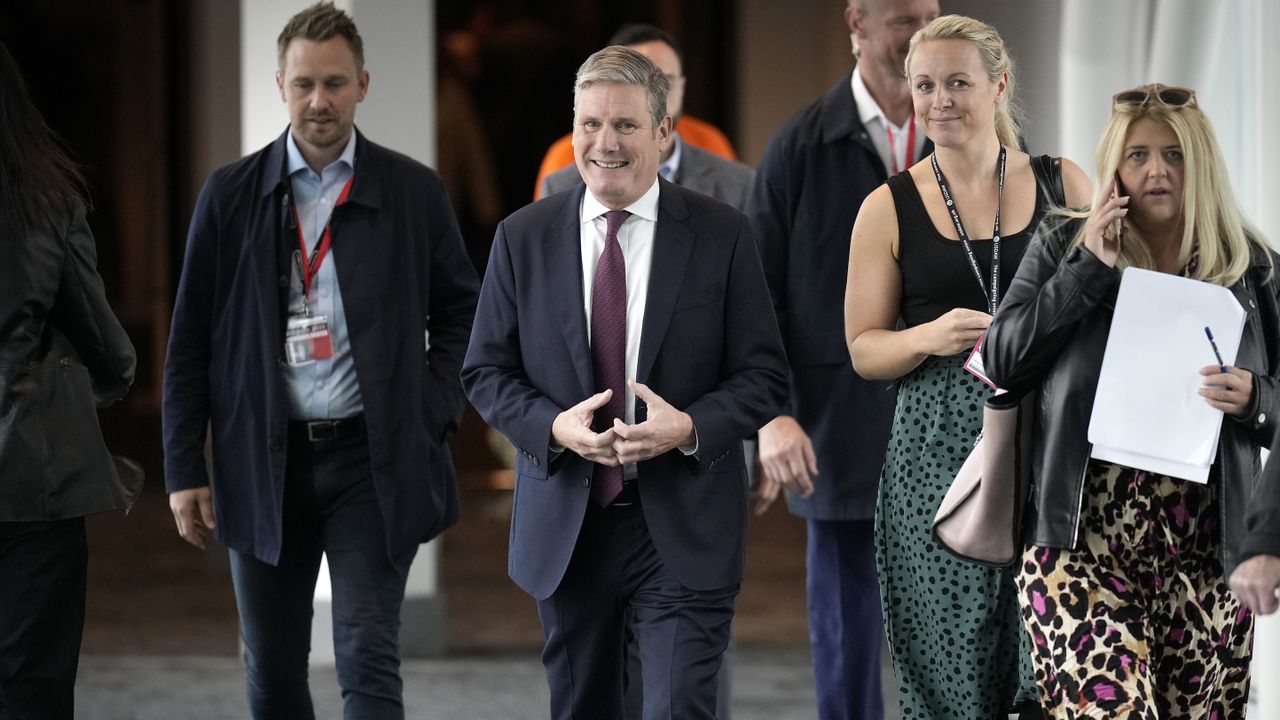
(991, 296)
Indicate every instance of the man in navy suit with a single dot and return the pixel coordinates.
(625, 343)
(324, 307)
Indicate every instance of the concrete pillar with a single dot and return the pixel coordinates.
(399, 112)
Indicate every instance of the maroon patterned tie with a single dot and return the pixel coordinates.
(609, 347)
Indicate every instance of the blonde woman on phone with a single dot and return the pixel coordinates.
(1124, 586)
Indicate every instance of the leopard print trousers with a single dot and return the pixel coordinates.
(1137, 622)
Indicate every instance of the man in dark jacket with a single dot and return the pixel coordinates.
(1256, 580)
(829, 446)
(323, 311)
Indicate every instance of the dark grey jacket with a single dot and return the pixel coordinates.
(1051, 332)
(63, 354)
(817, 169)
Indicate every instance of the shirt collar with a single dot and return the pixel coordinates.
(868, 109)
(298, 163)
(672, 165)
(645, 207)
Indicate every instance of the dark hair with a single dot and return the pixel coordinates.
(638, 33)
(36, 172)
(319, 23)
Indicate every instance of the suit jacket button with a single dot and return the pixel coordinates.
(586, 481)
(283, 282)
(1262, 418)
(535, 462)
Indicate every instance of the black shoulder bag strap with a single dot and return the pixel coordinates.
(1048, 172)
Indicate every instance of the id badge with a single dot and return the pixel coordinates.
(307, 339)
(974, 364)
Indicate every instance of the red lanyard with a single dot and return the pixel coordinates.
(312, 266)
(911, 144)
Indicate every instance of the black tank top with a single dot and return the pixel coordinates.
(936, 276)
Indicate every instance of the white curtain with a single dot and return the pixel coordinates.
(1217, 48)
(1227, 51)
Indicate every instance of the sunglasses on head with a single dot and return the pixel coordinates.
(1170, 97)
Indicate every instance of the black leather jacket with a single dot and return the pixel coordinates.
(1051, 331)
(63, 353)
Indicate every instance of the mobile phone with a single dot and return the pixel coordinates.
(1115, 193)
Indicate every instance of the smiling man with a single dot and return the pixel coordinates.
(625, 344)
(682, 162)
(323, 310)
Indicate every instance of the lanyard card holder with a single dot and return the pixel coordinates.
(307, 339)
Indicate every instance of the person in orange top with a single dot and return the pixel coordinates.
(659, 47)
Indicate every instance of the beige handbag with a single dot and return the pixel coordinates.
(980, 518)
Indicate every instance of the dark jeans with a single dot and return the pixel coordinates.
(330, 507)
(681, 633)
(845, 624)
(42, 588)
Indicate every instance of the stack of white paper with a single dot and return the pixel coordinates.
(1147, 413)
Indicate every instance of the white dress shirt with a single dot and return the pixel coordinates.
(879, 127)
(636, 239)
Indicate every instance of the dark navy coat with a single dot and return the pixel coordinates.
(405, 280)
(816, 171)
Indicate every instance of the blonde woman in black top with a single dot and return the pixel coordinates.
(953, 628)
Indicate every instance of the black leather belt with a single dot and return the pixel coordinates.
(330, 430)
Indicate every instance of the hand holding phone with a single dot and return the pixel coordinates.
(1115, 193)
(1106, 223)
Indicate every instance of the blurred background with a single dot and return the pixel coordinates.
(151, 95)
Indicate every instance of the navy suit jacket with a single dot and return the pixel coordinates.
(816, 171)
(709, 346)
(405, 280)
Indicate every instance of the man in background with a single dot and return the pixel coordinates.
(828, 447)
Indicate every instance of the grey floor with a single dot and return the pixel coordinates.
(767, 685)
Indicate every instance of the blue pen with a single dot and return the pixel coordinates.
(1209, 334)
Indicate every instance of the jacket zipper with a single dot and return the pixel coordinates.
(1075, 521)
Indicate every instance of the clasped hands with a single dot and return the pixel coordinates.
(664, 428)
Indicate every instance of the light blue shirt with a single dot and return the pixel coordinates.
(324, 389)
(669, 168)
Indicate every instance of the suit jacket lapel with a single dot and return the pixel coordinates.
(672, 244)
(564, 260)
